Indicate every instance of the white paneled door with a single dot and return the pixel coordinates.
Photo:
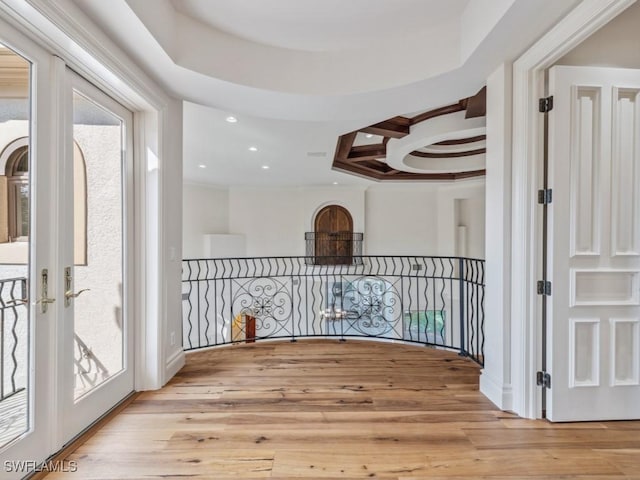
(594, 244)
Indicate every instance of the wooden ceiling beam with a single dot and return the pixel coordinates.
(367, 152)
(433, 176)
(396, 127)
(395, 175)
(477, 105)
(345, 142)
(373, 165)
(468, 153)
(462, 141)
(354, 169)
(436, 112)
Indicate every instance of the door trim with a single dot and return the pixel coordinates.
(528, 86)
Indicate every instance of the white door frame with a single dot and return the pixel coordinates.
(526, 266)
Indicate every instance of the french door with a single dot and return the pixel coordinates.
(96, 192)
(66, 203)
(27, 213)
(594, 244)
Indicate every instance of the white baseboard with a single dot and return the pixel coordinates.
(500, 394)
(174, 364)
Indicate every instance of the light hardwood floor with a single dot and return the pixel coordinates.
(342, 410)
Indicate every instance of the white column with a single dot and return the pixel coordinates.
(171, 246)
(495, 381)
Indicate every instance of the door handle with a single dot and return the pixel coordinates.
(68, 295)
(68, 288)
(45, 300)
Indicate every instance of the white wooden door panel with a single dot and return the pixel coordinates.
(594, 244)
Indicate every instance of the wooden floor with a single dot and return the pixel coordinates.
(345, 411)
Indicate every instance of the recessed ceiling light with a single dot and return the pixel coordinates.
(231, 119)
(335, 183)
(202, 166)
(369, 135)
(265, 167)
(253, 149)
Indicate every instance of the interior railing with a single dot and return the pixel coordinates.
(433, 301)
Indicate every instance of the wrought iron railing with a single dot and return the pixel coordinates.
(333, 248)
(13, 341)
(434, 301)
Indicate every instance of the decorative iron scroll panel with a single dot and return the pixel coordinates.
(435, 301)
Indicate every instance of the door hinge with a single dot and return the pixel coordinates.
(545, 197)
(543, 287)
(543, 379)
(545, 104)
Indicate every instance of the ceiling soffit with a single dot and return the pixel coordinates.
(322, 25)
(304, 62)
(153, 33)
(446, 143)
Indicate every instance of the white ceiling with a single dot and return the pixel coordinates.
(299, 73)
(322, 25)
(297, 153)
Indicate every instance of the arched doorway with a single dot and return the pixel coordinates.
(333, 228)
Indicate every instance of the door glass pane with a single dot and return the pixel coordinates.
(98, 244)
(15, 342)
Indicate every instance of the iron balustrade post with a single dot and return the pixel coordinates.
(461, 275)
(293, 323)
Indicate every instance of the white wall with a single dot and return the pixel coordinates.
(461, 204)
(270, 219)
(205, 210)
(614, 45)
(402, 220)
(397, 219)
(274, 220)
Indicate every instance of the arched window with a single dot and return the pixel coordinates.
(17, 173)
(333, 229)
(15, 198)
